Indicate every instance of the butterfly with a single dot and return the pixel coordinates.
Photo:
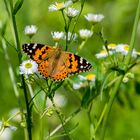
(54, 63)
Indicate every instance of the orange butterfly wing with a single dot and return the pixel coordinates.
(55, 63)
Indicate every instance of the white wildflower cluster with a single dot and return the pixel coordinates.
(71, 12)
(113, 49)
(84, 81)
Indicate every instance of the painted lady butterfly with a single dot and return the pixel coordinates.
(55, 63)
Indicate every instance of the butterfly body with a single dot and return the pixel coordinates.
(54, 63)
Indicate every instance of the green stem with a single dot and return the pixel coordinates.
(84, 41)
(11, 72)
(118, 83)
(109, 105)
(32, 95)
(133, 37)
(28, 117)
(100, 119)
(76, 21)
(61, 119)
(67, 31)
(66, 121)
(111, 83)
(106, 47)
(104, 82)
(81, 46)
(15, 32)
(90, 122)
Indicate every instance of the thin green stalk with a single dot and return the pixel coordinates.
(61, 119)
(11, 72)
(118, 83)
(76, 21)
(111, 83)
(133, 37)
(15, 31)
(103, 84)
(81, 46)
(67, 26)
(90, 122)
(28, 117)
(84, 41)
(100, 119)
(106, 47)
(14, 26)
(109, 105)
(47, 93)
(32, 94)
(66, 121)
(67, 31)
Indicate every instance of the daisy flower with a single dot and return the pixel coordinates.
(94, 18)
(59, 6)
(124, 48)
(85, 33)
(28, 67)
(30, 30)
(57, 36)
(71, 12)
(103, 54)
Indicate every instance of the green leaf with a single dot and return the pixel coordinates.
(85, 99)
(57, 86)
(17, 6)
(3, 29)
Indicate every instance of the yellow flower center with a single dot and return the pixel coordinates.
(103, 52)
(126, 47)
(60, 5)
(112, 46)
(28, 65)
(90, 77)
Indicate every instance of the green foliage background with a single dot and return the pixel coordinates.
(124, 121)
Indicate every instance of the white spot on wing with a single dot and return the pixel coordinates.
(30, 51)
(81, 60)
(34, 46)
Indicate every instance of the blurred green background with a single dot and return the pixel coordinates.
(124, 121)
